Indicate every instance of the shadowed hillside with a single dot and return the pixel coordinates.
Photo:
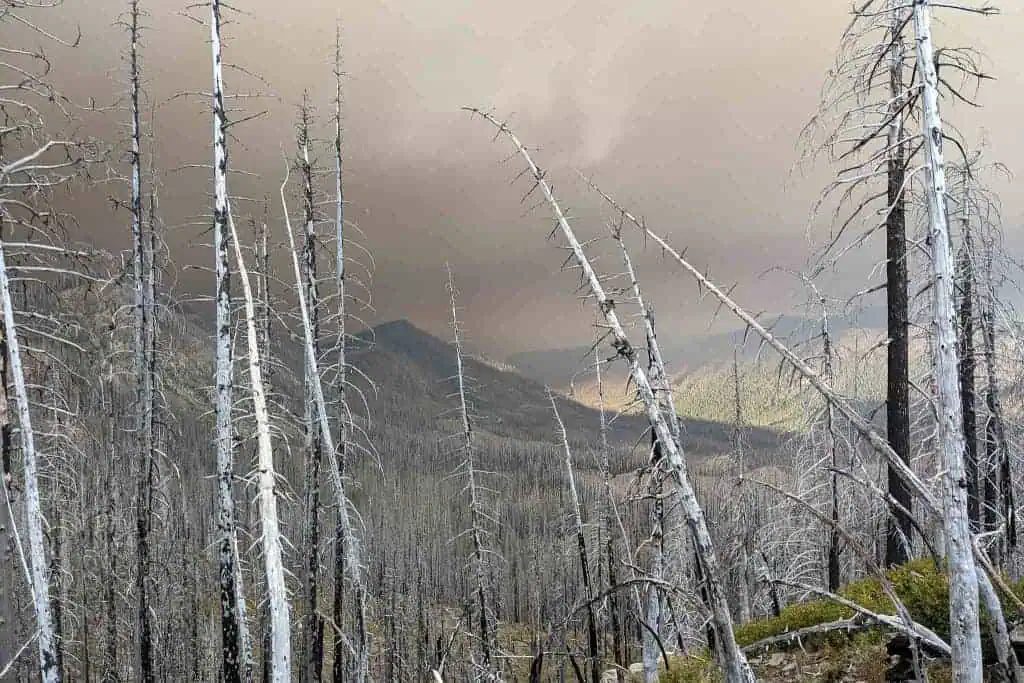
(414, 374)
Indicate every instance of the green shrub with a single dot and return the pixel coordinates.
(923, 588)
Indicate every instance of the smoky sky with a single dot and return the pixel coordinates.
(688, 112)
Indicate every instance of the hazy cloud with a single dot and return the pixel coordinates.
(688, 111)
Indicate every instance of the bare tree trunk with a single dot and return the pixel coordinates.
(342, 529)
(997, 448)
(966, 370)
(608, 512)
(746, 529)
(1000, 634)
(231, 625)
(897, 402)
(652, 611)
(280, 628)
(312, 632)
(40, 581)
(144, 445)
(111, 665)
(834, 567)
(581, 546)
(965, 634)
(478, 532)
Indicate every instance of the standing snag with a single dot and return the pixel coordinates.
(233, 628)
(964, 630)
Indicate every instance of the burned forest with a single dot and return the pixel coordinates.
(561, 341)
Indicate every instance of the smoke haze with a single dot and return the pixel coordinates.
(688, 112)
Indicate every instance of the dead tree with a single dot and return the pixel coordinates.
(581, 546)
(143, 314)
(39, 579)
(232, 627)
(665, 540)
(998, 477)
(280, 625)
(897, 398)
(964, 291)
(608, 513)
(965, 633)
(834, 568)
(313, 625)
(865, 109)
(730, 657)
(480, 519)
(349, 659)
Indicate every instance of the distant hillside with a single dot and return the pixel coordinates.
(770, 395)
(558, 367)
(414, 373)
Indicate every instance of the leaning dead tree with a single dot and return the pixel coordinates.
(280, 623)
(34, 160)
(39, 575)
(730, 657)
(666, 546)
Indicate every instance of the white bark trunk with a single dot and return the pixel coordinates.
(48, 655)
(670, 525)
(965, 633)
(232, 625)
(280, 630)
(731, 658)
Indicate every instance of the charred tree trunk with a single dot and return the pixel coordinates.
(966, 371)
(998, 484)
(144, 445)
(834, 567)
(312, 632)
(897, 402)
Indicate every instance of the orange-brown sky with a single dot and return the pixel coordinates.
(688, 111)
